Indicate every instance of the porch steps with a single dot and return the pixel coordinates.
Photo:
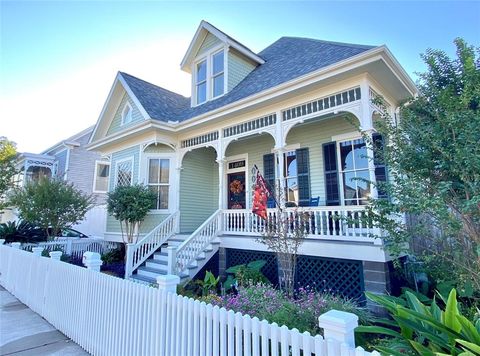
(156, 265)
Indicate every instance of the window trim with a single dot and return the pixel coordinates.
(213, 75)
(132, 160)
(98, 162)
(208, 57)
(171, 179)
(127, 105)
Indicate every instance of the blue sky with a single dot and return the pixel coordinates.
(58, 59)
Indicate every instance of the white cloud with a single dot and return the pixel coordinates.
(45, 113)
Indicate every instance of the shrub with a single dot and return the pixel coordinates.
(246, 274)
(116, 255)
(418, 329)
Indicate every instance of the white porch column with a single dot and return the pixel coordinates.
(371, 166)
(221, 182)
(279, 158)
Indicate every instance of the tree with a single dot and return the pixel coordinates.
(51, 204)
(433, 155)
(130, 205)
(284, 234)
(8, 157)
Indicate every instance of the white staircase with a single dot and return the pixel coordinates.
(180, 254)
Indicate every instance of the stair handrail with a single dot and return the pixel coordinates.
(195, 244)
(139, 252)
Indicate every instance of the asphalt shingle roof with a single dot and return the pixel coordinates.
(286, 59)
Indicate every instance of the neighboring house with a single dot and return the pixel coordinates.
(289, 110)
(71, 161)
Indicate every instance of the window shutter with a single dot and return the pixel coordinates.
(303, 174)
(269, 175)
(332, 191)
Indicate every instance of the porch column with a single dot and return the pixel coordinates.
(280, 163)
(221, 182)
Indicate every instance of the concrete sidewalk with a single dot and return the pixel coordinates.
(23, 332)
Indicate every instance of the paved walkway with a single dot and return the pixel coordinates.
(23, 332)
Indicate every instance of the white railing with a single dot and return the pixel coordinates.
(151, 242)
(323, 222)
(112, 316)
(187, 252)
(74, 247)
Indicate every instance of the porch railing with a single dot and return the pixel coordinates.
(143, 249)
(323, 222)
(195, 244)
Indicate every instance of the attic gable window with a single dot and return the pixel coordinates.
(127, 114)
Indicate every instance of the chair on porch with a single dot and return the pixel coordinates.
(314, 201)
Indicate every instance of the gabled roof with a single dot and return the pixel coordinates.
(286, 59)
(203, 29)
(71, 141)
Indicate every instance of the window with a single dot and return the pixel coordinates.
(102, 172)
(124, 172)
(291, 177)
(127, 114)
(201, 85)
(210, 77)
(158, 181)
(354, 172)
(217, 74)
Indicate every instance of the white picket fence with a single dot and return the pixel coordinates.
(111, 316)
(74, 248)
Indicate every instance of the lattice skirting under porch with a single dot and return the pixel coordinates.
(343, 277)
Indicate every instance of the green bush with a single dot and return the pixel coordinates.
(116, 255)
(242, 275)
(418, 329)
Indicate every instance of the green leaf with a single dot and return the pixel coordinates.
(422, 350)
(470, 346)
(234, 269)
(451, 312)
(469, 330)
(257, 265)
(377, 330)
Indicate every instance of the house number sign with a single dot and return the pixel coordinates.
(237, 164)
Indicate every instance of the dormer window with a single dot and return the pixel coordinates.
(218, 74)
(201, 82)
(210, 77)
(127, 114)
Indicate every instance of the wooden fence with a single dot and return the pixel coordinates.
(106, 315)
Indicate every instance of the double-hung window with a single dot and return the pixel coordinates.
(290, 173)
(201, 82)
(159, 181)
(218, 74)
(102, 173)
(124, 172)
(354, 172)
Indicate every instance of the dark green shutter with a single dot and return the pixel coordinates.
(332, 191)
(303, 174)
(269, 175)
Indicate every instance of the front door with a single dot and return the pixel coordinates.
(236, 191)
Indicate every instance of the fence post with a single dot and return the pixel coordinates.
(92, 260)
(339, 326)
(37, 251)
(55, 255)
(168, 283)
(171, 259)
(16, 245)
(69, 247)
(129, 260)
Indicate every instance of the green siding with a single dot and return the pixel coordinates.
(209, 42)
(238, 69)
(198, 188)
(150, 222)
(116, 124)
(313, 135)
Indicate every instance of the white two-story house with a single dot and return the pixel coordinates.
(296, 111)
